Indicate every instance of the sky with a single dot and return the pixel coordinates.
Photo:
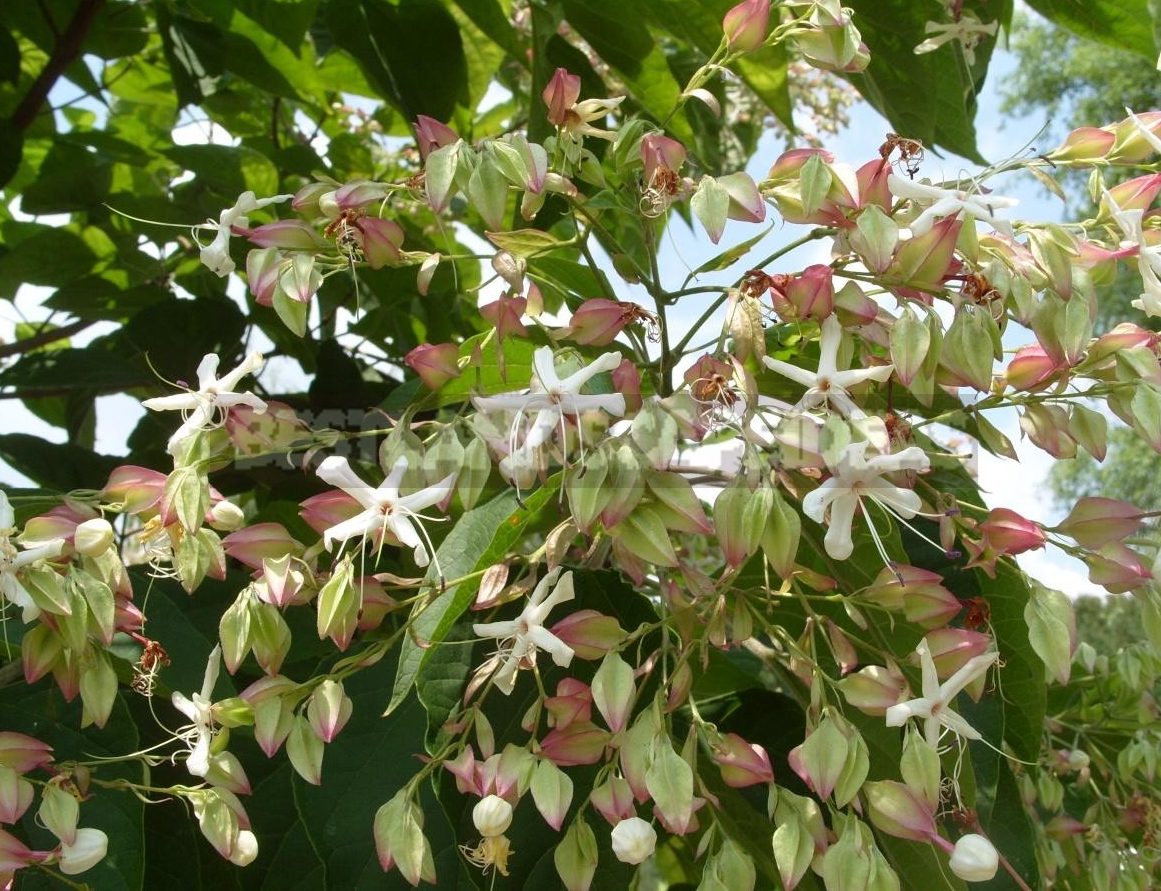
(1018, 485)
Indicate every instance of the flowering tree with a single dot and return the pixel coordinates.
(562, 589)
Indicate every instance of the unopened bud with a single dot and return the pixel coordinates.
(974, 859)
(492, 816)
(93, 537)
(633, 840)
(746, 24)
(436, 364)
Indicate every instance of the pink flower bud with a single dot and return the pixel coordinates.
(1084, 144)
(504, 315)
(561, 95)
(262, 541)
(627, 381)
(598, 321)
(59, 522)
(359, 193)
(23, 753)
(573, 702)
(1007, 532)
(746, 202)
(789, 163)
(589, 633)
(811, 294)
(382, 240)
(925, 261)
(291, 235)
(127, 616)
(579, 743)
(900, 811)
(436, 364)
(263, 269)
(430, 134)
(1063, 827)
(746, 24)
(952, 648)
(1137, 193)
(328, 509)
(16, 795)
(137, 489)
(14, 854)
(257, 433)
(1095, 522)
(614, 691)
(613, 800)
(1123, 337)
(874, 689)
(282, 581)
(1031, 369)
(376, 603)
(328, 710)
(660, 153)
(1117, 568)
(742, 764)
(918, 592)
(1131, 144)
(40, 648)
(305, 200)
(873, 188)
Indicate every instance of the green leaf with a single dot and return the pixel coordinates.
(730, 256)
(55, 466)
(1124, 24)
(480, 538)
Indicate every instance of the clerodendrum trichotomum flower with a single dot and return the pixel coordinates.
(828, 384)
(943, 202)
(199, 709)
(551, 398)
(855, 477)
(385, 510)
(205, 408)
(521, 637)
(934, 706)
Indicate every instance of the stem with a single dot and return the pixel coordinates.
(28, 344)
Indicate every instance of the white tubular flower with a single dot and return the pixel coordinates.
(385, 510)
(12, 560)
(934, 706)
(551, 398)
(828, 384)
(199, 709)
(216, 255)
(520, 638)
(633, 840)
(949, 202)
(205, 408)
(854, 477)
(974, 859)
(969, 31)
(1148, 256)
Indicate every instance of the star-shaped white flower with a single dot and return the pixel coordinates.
(206, 407)
(934, 706)
(216, 254)
(949, 202)
(385, 510)
(854, 476)
(1148, 255)
(12, 560)
(520, 638)
(551, 398)
(828, 384)
(199, 709)
(969, 31)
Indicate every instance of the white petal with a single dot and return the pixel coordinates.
(838, 541)
(428, 497)
(498, 630)
(1149, 136)
(815, 503)
(359, 526)
(544, 367)
(544, 639)
(7, 514)
(576, 380)
(968, 672)
(247, 366)
(802, 376)
(213, 666)
(336, 471)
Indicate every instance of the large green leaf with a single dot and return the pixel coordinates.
(1125, 24)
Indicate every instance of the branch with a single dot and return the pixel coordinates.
(65, 51)
(28, 344)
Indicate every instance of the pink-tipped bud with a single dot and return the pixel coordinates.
(16, 795)
(1137, 193)
(613, 800)
(14, 854)
(660, 153)
(1117, 568)
(872, 180)
(1131, 144)
(1006, 532)
(137, 489)
(263, 269)
(1031, 369)
(925, 260)
(900, 811)
(328, 710)
(359, 193)
(746, 24)
(874, 689)
(579, 743)
(290, 235)
(22, 752)
(809, 295)
(283, 580)
(746, 202)
(589, 633)
(1084, 144)
(436, 364)
(627, 381)
(262, 541)
(614, 691)
(742, 763)
(328, 509)
(598, 321)
(561, 95)
(382, 240)
(1095, 522)
(573, 702)
(430, 134)
(919, 593)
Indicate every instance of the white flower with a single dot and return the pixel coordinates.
(205, 408)
(949, 202)
(384, 508)
(974, 859)
(551, 398)
(245, 848)
(855, 476)
(216, 255)
(829, 384)
(199, 709)
(633, 840)
(1148, 256)
(969, 31)
(492, 816)
(934, 706)
(521, 637)
(13, 560)
(87, 850)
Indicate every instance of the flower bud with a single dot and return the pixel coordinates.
(136, 489)
(16, 795)
(1009, 533)
(305, 750)
(294, 235)
(400, 842)
(598, 321)
(93, 537)
(245, 848)
(614, 691)
(431, 134)
(746, 24)
(1117, 568)
(225, 516)
(578, 743)
(382, 240)
(633, 840)
(873, 689)
(1030, 369)
(504, 314)
(741, 763)
(974, 859)
(551, 791)
(328, 710)
(255, 544)
(59, 812)
(561, 95)
(613, 799)
(436, 364)
(917, 592)
(740, 517)
(85, 851)
(745, 201)
(1084, 144)
(811, 294)
(900, 811)
(627, 381)
(924, 260)
(573, 702)
(492, 816)
(1095, 521)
